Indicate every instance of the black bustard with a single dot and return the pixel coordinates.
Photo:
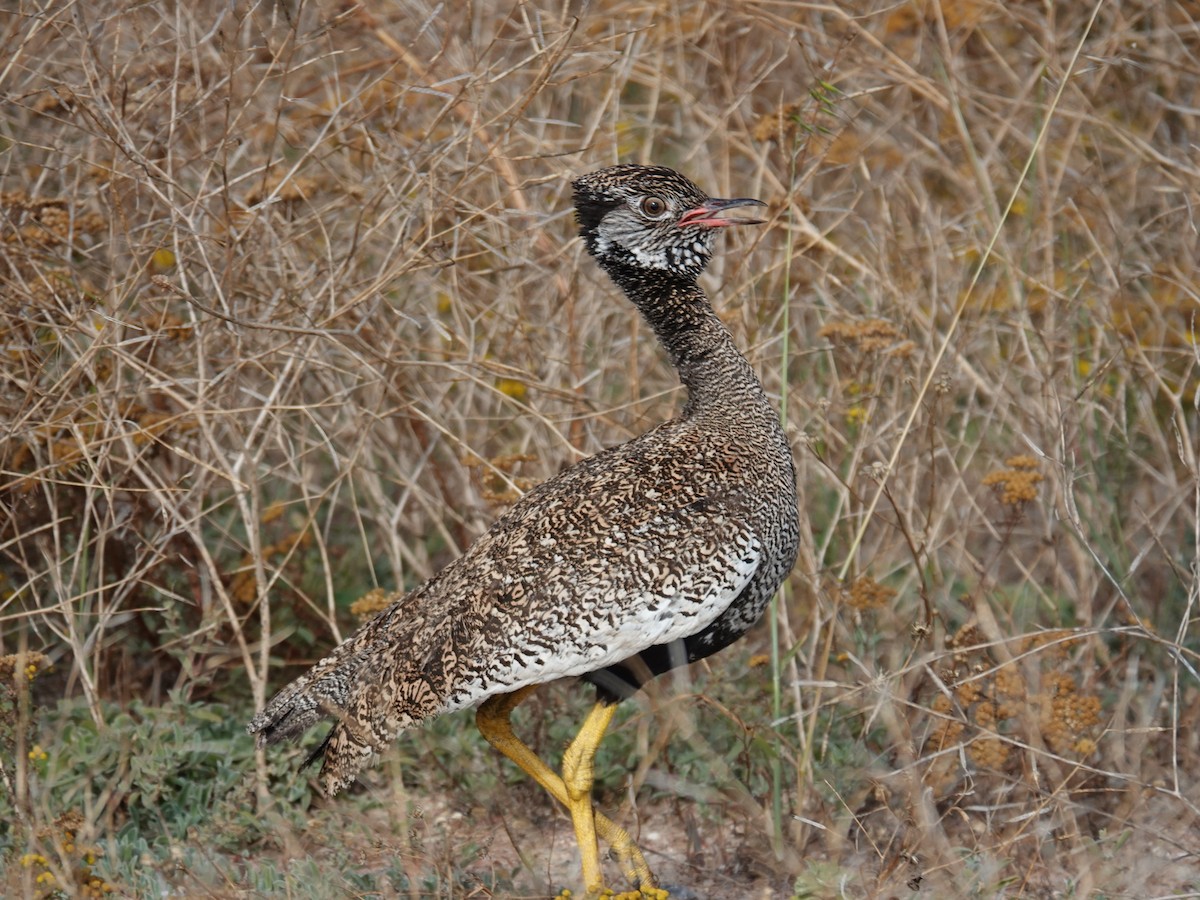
(650, 555)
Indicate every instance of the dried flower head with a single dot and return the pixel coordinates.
(868, 337)
(1017, 484)
(45, 221)
(1068, 719)
(867, 593)
(372, 602)
(989, 752)
(497, 483)
(22, 665)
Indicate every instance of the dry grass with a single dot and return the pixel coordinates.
(291, 308)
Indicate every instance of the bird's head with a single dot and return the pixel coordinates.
(651, 218)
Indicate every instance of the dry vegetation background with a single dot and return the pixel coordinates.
(291, 306)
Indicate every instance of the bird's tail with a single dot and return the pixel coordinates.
(361, 688)
(315, 695)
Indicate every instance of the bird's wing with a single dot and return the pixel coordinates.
(565, 605)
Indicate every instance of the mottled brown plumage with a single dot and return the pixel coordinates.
(653, 553)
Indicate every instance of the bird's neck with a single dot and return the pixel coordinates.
(715, 373)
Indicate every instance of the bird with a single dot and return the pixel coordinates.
(649, 555)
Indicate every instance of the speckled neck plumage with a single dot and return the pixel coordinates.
(715, 373)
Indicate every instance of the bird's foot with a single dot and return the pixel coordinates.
(645, 893)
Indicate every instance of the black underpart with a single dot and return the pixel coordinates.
(623, 680)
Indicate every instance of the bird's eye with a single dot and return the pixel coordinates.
(654, 207)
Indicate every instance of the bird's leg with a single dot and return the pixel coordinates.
(493, 719)
(579, 771)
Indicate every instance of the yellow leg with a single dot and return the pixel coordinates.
(579, 771)
(494, 723)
